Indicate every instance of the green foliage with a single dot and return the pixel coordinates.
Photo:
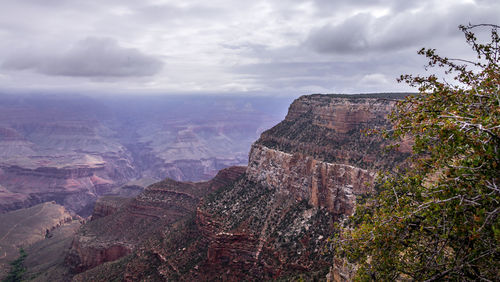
(438, 219)
(17, 268)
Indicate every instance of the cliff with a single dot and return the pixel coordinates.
(119, 225)
(274, 221)
(336, 129)
(108, 205)
(302, 177)
(74, 187)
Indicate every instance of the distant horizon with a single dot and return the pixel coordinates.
(183, 94)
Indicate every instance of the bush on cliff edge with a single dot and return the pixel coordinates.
(439, 218)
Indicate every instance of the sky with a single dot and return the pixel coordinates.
(282, 47)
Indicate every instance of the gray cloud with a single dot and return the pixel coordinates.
(275, 46)
(350, 36)
(91, 57)
(405, 28)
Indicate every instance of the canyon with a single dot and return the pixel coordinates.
(72, 149)
(272, 219)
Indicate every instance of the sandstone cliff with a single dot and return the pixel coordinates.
(336, 129)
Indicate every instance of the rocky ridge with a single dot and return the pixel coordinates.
(118, 226)
(337, 129)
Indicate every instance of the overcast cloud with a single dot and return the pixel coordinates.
(91, 57)
(223, 46)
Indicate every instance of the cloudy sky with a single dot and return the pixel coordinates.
(227, 46)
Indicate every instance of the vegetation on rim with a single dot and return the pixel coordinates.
(438, 218)
(17, 268)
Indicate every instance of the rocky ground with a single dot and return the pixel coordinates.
(25, 227)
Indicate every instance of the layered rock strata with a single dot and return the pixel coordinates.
(274, 221)
(302, 177)
(74, 149)
(76, 187)
(338, 129)
(119, 225)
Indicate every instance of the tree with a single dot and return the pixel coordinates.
(438, 217)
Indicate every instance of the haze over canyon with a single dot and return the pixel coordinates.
(73, 149)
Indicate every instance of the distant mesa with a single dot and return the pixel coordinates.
(72, 150)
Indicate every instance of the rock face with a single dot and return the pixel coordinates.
(321, 184)
(108, 205)
(335, 129)
(118, 226)
(273, 221)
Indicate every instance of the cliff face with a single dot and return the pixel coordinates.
(275, 220)
(324, 151)
(321, 184)
(335, 129)
(119, 225)
(108, 205)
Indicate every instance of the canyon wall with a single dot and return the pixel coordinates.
(321, 184)
(327, 151)
(76, 187)
(119, 225)
(303, 175)
(274, 221)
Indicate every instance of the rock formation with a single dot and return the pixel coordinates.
(119, 225)
(273, 221)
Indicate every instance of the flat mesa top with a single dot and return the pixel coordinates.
(391, 95)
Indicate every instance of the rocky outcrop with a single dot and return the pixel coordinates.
(82, 256)
(108, 205)
(321, 184)
(120, 225)
(74, 149)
